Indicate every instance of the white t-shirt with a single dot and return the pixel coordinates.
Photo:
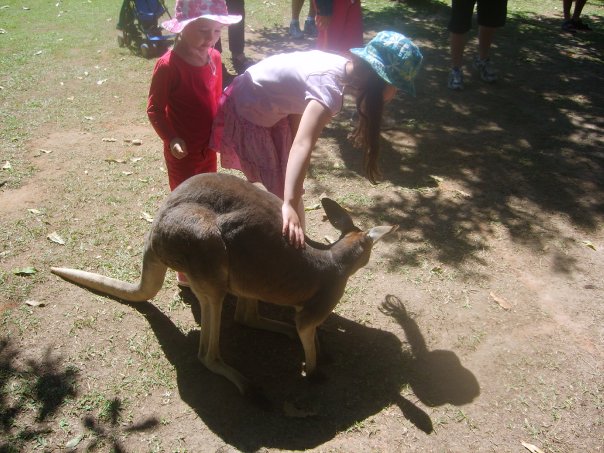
(283, 84)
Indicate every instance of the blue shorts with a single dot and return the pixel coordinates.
(490, 13)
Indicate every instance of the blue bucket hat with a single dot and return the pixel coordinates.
(394, 57)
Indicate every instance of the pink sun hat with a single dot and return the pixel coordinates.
(186, 11)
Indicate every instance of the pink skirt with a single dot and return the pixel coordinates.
(261, 153)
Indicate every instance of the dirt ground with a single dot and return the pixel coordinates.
(479, 327)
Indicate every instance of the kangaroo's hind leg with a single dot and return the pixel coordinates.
(207, 269)
(246, 313)
(211, 300)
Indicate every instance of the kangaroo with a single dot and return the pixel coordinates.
(225, 235)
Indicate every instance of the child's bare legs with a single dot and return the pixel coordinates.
(482, 63)
(294, 26)
(485, 39)
(458, 43)
(309, 24)
(567, 6)
(572, 22)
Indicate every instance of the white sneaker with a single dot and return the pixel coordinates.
(294, 30)
(455, 81)
(310, 28)
(485, 68)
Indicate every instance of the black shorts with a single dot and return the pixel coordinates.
(490, 13)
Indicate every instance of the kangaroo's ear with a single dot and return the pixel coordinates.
(377, 233)
(338, 216)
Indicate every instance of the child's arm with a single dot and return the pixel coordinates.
(313, 120)
(219, 75)
(159, 93)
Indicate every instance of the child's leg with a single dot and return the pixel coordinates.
(179, 170)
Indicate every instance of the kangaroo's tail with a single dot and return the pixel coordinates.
(151, 281)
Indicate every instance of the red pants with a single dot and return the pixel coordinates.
(345, 29)
(192, 164)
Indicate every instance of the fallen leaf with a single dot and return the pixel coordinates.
(34, 303)
(25, 271)
(147, 217)
(313, 207)
(54, 237)
(74, 442)
(501, 301)
(436, 270)
(590, 245)
(45, 151)
(532, 448)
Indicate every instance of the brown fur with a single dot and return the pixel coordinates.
(225, 235)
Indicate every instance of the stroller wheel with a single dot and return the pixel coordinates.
(120, 41)
(145, 50)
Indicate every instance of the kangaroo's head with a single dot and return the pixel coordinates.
(354, 244)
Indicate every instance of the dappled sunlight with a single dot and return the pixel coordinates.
(522, 149)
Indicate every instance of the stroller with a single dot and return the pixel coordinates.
(139, 24)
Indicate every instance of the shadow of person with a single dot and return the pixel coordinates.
(437, 377)
(365, 375)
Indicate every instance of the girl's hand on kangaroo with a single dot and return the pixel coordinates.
(292, 229)
(178, 148)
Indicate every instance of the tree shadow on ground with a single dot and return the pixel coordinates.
(518, 152)
(43, 386)
(40, 385)
(366, 371)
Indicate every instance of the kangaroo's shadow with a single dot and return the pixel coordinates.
(365, 374)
